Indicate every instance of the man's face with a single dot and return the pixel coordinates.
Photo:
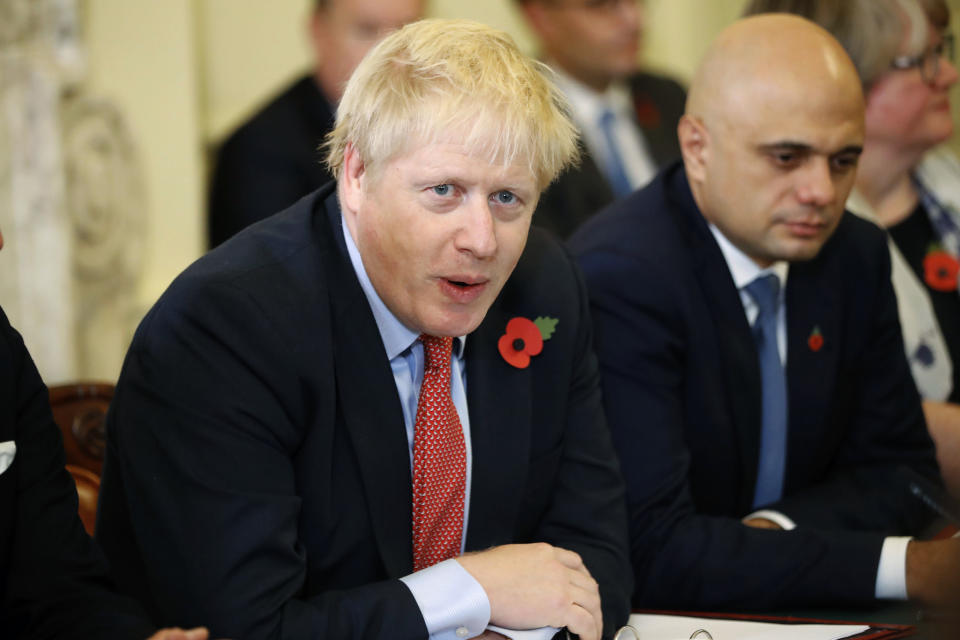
(779, 165)
(439, 229)
(347, 29)
(595, 41)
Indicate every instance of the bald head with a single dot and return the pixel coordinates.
(772, 134)
(770, 53)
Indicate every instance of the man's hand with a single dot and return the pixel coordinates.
(762, 523)
(490, 635)
(537, 585)
(933, 573)
(198, 633)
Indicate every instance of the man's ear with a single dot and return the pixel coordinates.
(353, 177)
(694, 146)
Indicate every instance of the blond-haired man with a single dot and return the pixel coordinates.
(378, 414)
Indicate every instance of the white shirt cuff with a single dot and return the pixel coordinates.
(543, 633)
(453, 604)
(892, 571)
(773, 516)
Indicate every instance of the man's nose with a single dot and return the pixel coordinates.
(477, 234)
(817, 186)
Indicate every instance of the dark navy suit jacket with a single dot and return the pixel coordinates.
(681, 385)
(583, 190)
(258, 474)
(270, 161)
(53, 580)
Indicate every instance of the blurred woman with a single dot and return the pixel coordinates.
(907, 184)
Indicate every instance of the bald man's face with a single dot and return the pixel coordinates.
(777, 164)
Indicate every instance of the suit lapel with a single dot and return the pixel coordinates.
(499, 400)
(376, 428)
(738, 352)
(813, 304)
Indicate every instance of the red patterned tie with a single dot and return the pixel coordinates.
(439, 462)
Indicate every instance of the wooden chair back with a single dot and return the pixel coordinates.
(80, 410)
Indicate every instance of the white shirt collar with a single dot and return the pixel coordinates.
(743, 269)
(587, 104)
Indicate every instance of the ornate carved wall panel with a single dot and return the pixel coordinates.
(70, 199)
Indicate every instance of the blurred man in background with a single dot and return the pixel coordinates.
(272, 159)
(627, 117)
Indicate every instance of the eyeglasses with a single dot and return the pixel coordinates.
(929, 61)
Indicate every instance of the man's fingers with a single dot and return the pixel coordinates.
(176, 633)
(583, 623)
(588, 598)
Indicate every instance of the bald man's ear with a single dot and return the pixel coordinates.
(694, 146)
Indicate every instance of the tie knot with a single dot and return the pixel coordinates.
(765, 291)
(606, 118)
(436, 350)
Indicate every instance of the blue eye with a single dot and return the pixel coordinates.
(505, 197)
(442, 189)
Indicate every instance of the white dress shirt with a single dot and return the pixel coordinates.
(587, 105)
(892, 571)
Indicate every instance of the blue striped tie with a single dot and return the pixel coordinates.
(765, 292)
(616, 169)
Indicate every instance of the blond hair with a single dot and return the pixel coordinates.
(442, 79)
(871, 31)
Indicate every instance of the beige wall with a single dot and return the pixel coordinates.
(142, 55)
(186, 72)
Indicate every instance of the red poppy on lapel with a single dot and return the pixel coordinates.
(524, 338)
(648, 115)
(815, 340)
(940, 269)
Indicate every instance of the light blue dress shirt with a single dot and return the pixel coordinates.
(452, 602)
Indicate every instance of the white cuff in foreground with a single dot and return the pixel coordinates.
(543, 633)
(892, 572)
(453, 604)
(773, 516)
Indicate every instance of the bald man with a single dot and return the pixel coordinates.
(753, 370)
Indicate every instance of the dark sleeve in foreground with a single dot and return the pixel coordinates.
(683, 558)
(55, 582)
(200, 508)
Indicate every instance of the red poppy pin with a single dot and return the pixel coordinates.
(524, 338)
(648, 116)
(940, 269)
(815, 340)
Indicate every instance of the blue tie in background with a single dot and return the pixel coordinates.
(765, 291)
(616, 172)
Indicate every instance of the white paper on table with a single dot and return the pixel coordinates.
(665, 627)
(543, 633)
